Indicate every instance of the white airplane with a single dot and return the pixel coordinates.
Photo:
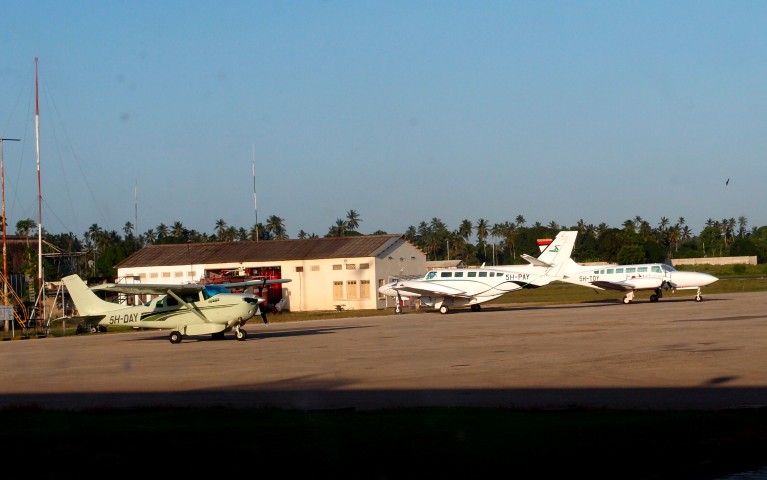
(459, 287)
(632, 278)
(185, 309)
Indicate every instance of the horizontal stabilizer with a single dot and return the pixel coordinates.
(535, 261)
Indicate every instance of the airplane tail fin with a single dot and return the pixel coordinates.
(86, 302)
(557, 254)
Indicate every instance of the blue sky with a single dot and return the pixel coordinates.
(154, 112)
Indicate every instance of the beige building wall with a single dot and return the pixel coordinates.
(321, 284)
(714, 261)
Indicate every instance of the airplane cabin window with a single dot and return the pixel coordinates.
(458, 274)
(618, 270)
(631, 269)
(482, 274)
(610, 270)
(471, 274)
(642, 269)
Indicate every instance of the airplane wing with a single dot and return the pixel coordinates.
(638, 283)
(147, 288)
(178, 289)
(252, 283)
(427, 289)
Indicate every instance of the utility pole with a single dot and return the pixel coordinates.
(5, 221)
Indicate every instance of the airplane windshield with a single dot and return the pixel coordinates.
(667, 268)
(213, 290)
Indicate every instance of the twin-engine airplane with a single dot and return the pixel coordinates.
(185, 309)
(632, 278)
(460, 287)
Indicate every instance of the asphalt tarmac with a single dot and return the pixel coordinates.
(673, 354)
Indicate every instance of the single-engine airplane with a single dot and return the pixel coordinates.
(632, 278)
(185, 309)
(459, 287)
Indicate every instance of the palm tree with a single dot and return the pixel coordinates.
(221, 228)
(162, 231)
(663, 223)
(302, 235)
(483, 227)
(553, 225)
(520, 220)
(25, 227)
(465, 229)
(128, 229)
(150, 236)
(275, 226)
(352, 220)
(742, 222)
(410, 234)
(178, 230)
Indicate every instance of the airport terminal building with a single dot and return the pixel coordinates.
(324, 273)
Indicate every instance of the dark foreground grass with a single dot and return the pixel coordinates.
(384, 444)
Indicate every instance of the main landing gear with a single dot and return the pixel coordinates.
(239, 333)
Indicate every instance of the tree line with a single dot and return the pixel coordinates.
(473, 242)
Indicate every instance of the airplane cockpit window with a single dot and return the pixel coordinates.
(213, 290)
(655, 269)
(431, 275)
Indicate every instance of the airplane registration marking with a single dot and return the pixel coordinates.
(588, 278)
(517, 276)
(125, 318)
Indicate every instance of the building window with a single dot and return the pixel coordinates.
(351, 266)
(338, 290)
(364, 289)
(178, 274)
(299, 269)
(337, 267)
(364, 266)
(165, 274)
(315, 268)
(381, 296)
(351, 289)
(153, 275)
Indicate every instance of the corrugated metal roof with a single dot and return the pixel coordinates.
(263, 251)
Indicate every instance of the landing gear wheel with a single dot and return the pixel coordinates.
(397, 309)
(626, 300)
(443, 309)
(241, 335)
(698, 298)
(653, 298)
(175, 337)
(476, 308)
